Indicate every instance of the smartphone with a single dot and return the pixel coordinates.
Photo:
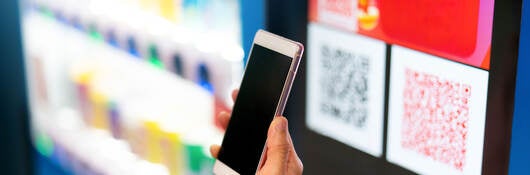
(269, 74)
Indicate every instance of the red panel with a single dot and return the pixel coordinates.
(447, 26)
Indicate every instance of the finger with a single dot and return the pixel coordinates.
(278, 146)
(295, 165)
(234, 94)
(214, 150)
(224, 118)
(293, 155)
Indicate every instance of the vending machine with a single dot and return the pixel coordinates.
(131, 86)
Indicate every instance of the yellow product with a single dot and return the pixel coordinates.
(170, 10)
(99, 109)
(83, 72)
(172, 154)
(84, 77)
(153, 134)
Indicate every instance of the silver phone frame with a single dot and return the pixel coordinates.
(285, 47)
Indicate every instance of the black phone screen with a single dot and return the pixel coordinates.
(254, 108)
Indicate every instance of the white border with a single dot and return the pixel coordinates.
(403, 58)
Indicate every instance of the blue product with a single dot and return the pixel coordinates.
(204, 78)
(177, 65)
(132, 48)
(60, 17)
(111, 39)
(115, 125)
(77, 24)
(189, 3)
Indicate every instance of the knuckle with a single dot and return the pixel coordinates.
(281, 148)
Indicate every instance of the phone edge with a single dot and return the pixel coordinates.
(286, 90)
(221, 168)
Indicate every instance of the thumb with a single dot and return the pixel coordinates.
(278, 145)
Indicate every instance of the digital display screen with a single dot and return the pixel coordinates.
(429, 60)
(254, 109)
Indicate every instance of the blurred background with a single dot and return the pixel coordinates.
(385, 87)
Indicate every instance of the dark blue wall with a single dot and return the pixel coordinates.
(252, 19)
(15, 157)
(520, 153)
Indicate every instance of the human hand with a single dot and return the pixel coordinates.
(280, 156)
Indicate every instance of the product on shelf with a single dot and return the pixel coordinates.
(124, 116)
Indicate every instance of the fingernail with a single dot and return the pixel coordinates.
(281, 124)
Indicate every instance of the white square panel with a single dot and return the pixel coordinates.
(437, 112)
(345, 87)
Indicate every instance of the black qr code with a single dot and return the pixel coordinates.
(343, 81)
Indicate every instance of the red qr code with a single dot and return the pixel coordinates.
(435, 117)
